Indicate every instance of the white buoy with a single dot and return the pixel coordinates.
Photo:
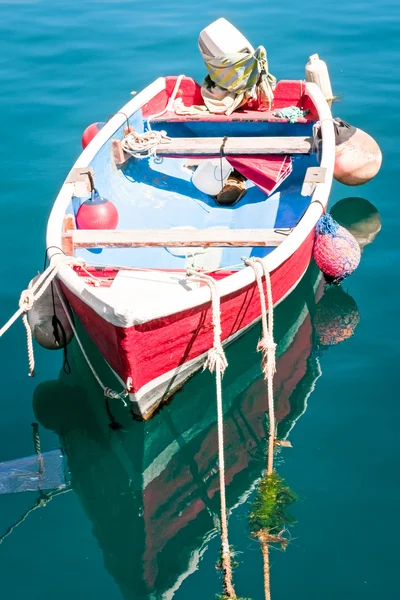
(41, 321)
(317, 72)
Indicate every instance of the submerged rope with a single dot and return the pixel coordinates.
(41, 502)
(36, 441)
(216, 361)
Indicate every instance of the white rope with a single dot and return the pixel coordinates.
(109, 393)
(170, 104)
(216, 361)
(27, 301)
(30, 296)
(267, 346)
(194, 110)
(217, 352)
(142, 145)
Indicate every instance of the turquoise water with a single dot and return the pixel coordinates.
(66, 64)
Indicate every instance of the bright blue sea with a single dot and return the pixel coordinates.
(139, 519)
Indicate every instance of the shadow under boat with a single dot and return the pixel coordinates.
(151, 489)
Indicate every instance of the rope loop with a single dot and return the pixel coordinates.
(109, 393)
(26, 301)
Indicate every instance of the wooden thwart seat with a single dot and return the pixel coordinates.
(230, 146)
(235, 146)
(137, 238)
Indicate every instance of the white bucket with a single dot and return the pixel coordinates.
(208, 177)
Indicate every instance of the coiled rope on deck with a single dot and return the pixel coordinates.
(144, 145)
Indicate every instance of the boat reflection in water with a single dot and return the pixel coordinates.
(151, 488)
(360, 217)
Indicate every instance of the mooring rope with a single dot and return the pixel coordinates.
(36, 441)
(170, 104)
(30, 296)
(216, 362)
(108, 392)
(26, 303)
(143, 145)
(41, 502)
(267, 346)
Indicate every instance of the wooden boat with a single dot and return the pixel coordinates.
(149, 320)
(157, 482)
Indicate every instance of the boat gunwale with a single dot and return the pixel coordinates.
(127, 316)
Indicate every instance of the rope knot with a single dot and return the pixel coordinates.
(268, 348)
(216, 359)
(266, 344)
(109, 393)
(26, 300)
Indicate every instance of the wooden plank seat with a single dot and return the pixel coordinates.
(137, 238)
(249, 116)
(232, 146)
(235, 146)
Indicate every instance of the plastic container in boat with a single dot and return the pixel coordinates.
(208, 177)
(221, 37)
(317, 72)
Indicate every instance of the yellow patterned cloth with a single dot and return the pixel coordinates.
(243, 75)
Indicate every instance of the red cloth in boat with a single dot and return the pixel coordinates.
(266, 172)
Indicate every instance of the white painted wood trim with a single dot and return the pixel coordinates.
(124, 238)
(136, 313)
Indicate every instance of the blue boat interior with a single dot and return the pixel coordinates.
(158, 193)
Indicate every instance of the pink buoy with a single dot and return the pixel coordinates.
(358, 157)
(336, 251)
(97, 213)
(90, 132)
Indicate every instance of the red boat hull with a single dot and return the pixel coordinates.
(159, 355)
